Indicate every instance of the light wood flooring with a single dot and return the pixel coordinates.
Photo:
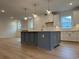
(12, 49)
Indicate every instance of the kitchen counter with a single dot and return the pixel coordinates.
(40, 31)
(42, 39)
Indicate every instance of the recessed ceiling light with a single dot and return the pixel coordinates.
(3, 11)
(70, 3)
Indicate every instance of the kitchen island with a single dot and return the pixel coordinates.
(42, 39)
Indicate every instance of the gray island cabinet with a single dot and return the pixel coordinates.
(42, 39)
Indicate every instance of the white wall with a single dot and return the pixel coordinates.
(76, 17)
(8, 27)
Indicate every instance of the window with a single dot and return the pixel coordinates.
(30, 24)
(19, 26)
(66, 22)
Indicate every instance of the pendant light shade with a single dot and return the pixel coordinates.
(48, 10)
(25, 17)
(34, 14)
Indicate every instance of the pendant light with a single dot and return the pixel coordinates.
(25, 17)
(48, 10)
(2, 11)
(35, 5)
(34, 14)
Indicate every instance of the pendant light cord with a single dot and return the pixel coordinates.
(25, 11)
(35, 7)
(48, 4)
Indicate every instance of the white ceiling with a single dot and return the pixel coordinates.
(16, 7)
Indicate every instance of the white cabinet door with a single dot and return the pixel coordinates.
(64, 36)
(77, 36)
(70, 36)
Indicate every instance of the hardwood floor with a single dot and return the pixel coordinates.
(12, 49)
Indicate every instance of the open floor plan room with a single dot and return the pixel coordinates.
(39, 29)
